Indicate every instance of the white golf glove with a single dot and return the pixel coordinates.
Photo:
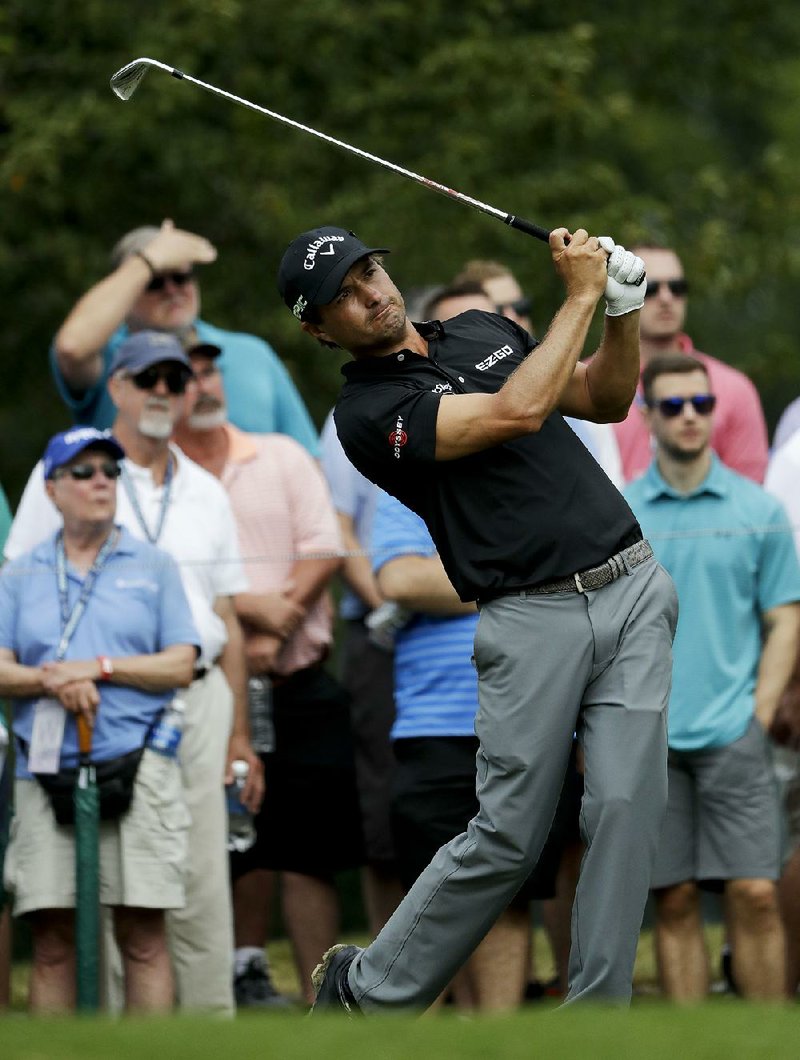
(624, 291)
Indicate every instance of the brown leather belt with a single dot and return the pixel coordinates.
(595, 577)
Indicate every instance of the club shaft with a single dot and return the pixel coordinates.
(510, 219)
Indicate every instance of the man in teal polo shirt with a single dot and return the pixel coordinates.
(728, 546)
(153, 285)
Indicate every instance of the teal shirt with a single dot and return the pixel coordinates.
(260, 394)
(729, 548)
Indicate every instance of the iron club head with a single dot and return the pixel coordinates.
(127, 79)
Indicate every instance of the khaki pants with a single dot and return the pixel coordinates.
(201, 933)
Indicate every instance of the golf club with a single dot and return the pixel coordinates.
(126, 80)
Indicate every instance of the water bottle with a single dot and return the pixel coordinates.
(165, 735)
(3, 747)
(241, 829)
(384, 623)
(262, 726)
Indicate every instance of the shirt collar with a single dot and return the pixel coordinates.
(241, 446)
(714, 484)
(428, 329)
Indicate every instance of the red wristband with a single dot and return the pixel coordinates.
(106, 667)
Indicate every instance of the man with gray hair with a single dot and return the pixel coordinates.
(153, 285)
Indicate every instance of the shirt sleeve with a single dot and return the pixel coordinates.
(315, 528)
(397, 531)
(742, 441)
(787, 424)
(779, 569)
(83, 404)
(176, 625)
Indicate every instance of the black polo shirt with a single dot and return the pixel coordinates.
(514, 515)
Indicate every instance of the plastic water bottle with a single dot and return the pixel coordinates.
(262, 726)
(385, 622)
(165, 735)
(241, 829)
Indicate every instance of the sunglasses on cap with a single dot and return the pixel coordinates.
(174, 376)
(83, 472)
(521, 306)
(678, 288)
(159, 282)
(703, 405)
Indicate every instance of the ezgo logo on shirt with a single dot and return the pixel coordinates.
(493, 358)
(398, 437)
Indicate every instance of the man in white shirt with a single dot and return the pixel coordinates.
(169, 500)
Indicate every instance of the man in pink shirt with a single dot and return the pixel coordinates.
(289, 538)
(740, 433)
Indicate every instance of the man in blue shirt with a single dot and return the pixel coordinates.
(728, 546)
(95, 623)
(153, 285)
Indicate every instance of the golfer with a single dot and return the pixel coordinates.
(462, 422)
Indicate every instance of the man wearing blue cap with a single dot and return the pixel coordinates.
(96, 623)
(172, 502)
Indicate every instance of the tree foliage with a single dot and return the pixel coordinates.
(676, 123)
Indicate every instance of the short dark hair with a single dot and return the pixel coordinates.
(668, 364)
(464, 289)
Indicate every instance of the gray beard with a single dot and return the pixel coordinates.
(156, 425)
(207, 421)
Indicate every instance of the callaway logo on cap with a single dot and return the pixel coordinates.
(315, 264)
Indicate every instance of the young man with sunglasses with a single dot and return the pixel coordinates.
(166, 498)
(95, 623)
(739, 435)
(728, 546)
(153, 284)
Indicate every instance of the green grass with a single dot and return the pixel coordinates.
(722, 1029)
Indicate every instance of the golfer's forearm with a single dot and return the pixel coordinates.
(171, 668)
(612, 375)
(94, 319)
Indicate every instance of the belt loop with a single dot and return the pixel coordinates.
(578, 583)
(623, 559)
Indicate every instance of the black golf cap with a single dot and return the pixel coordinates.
(316, 263)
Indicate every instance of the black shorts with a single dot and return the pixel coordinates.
(368, 675)
(434, 800)
(310, 821)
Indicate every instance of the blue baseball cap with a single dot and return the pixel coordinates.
(143, 348)
(64, 446)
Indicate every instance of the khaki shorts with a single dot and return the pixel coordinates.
(142, 855)
(723, 819)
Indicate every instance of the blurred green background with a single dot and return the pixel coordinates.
(675, 122)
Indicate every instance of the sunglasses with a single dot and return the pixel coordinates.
(521, 306)
(83, 472)
(703, 405)
(159, 282)
(175, 377)
(678, 288)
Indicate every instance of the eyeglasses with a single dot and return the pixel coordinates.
(678, 288)
(83, 472)
(703, 405)
(175, 377)
(521, 306)
(159, 282)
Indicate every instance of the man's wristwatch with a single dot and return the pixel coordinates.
(106, 667)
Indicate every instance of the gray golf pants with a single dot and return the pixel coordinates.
(599, 662)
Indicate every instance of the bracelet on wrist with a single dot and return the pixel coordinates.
(141, 254)
(106, 667)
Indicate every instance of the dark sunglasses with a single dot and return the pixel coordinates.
(175, 377)
(84, 472)
(159, 282)
(678, 288)
(521, 306)
(703, 405)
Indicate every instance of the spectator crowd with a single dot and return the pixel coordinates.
(183, 547)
